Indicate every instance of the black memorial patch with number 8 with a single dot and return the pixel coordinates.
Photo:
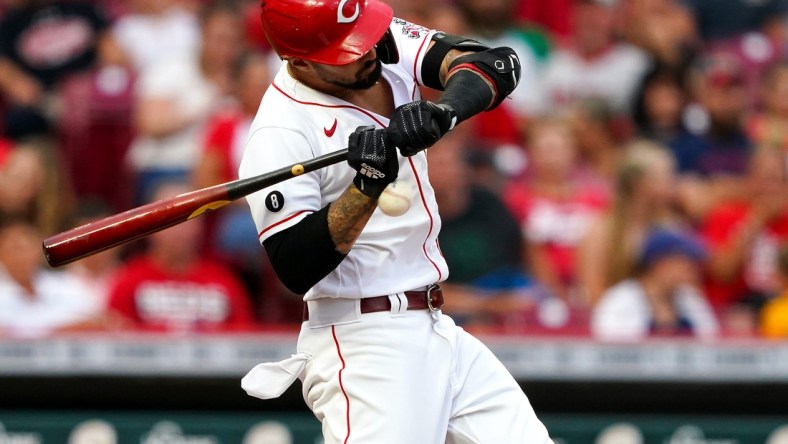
(274, 201)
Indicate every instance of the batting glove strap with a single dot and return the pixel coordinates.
(374, 157)
(418, 125)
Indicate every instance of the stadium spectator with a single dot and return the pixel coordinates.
(663, 28)
(95, 134)
(172, 287)
(595, 64)
(599, 138)
(662, 298)
(480, 241)
(555, 16)
(712, 155)
(176, 98)
(774, 317)
(497, 20)
(722, 20)
(156, 31)
(443, 15)
(659, 105)
(753, 33)
(492, 22)
(42, 42)
(231, 233)
(97, 271)
(718, 146)
(744, 235)
(32, 187)
(225, 139)
(770, 126)
(35, 301)
(645, 194)
(554, 205)
(227, 129)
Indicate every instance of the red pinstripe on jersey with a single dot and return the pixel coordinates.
(416, 60)
(282, 221)
(341, 384)
(361, 110)
(432, 222)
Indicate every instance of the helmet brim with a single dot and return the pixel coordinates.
(369, 29)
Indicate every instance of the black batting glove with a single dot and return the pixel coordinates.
(418, 125)
(374, 157)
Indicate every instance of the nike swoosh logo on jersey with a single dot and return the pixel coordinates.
(330, 132)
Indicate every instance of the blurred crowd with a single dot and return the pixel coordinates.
(634, 185)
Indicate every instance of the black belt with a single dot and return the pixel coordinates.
(429, 299)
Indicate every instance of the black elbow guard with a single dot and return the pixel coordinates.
(499, 66)
(303, 254)
(433, 59)
(480, 81)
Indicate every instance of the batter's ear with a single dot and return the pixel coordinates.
(296, 63)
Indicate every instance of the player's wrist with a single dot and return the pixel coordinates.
(417, 125)
(370, 188)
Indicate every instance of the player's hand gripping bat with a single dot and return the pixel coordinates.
(121, 228)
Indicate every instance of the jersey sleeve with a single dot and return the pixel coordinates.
(412, 42)
(282, 205)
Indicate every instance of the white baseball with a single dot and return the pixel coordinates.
(395, 199)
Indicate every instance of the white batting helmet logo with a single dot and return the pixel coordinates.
(341, 18)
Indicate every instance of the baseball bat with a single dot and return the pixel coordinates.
(133, 224)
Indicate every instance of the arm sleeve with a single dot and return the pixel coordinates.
(304, 254)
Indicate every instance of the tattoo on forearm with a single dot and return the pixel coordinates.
(347, 216)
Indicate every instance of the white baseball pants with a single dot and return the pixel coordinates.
(411, 377)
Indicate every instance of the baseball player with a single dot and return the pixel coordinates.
(378, 361)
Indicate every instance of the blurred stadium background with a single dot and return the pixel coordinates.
(617, 231)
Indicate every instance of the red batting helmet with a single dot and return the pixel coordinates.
(333, 32)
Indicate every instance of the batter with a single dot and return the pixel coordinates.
(378, 361)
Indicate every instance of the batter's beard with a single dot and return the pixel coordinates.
(365, 82)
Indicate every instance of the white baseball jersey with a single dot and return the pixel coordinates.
(296, 123)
